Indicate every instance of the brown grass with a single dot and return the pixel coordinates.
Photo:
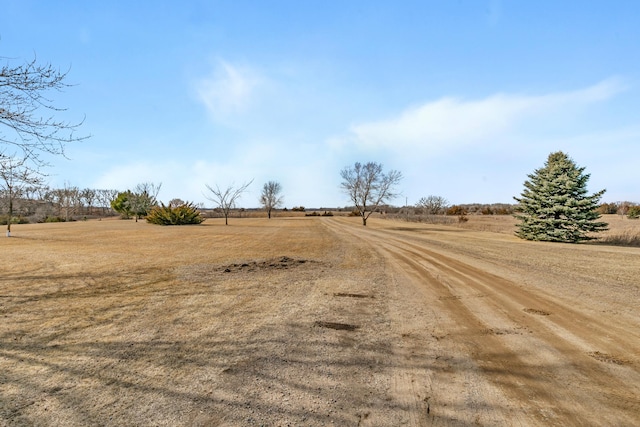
(121, 323)
(283, 321)
(622, 231)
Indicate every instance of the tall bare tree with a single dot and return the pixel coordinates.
(270, 197)
(27, 112)
(226, 199)
(369, 187)
(16, 174)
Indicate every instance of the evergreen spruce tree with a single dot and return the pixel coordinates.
(554, 205)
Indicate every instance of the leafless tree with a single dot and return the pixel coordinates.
(270, 197)
(15, 175)
(89, 196)
(27, 111)
(433, 204)
(143, 198)
(369, 187)
(105, 197)
(67, 198)
(176, 202)
(226, 199)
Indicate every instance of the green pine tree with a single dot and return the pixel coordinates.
(554, 205)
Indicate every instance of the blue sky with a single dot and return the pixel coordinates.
(465, 98)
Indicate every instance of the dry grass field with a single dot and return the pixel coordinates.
(315, 321)
(618, 225)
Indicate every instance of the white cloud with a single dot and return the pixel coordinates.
(229, 89)
(450, 123)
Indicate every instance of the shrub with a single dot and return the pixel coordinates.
(486, 210)
(184, 214)
(634, 212)
(626, 238)
(608, 208)
(53, 219)
(14, 220)
(456, 210)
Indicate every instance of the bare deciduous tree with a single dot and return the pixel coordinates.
(89, 196)
(433, 204)
(270, 197)
(226, 199)
(105, 197)
(143, 198)
(15, 174)
(67, 198)
(27, 111)
(368, 187)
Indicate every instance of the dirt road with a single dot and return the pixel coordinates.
(314, 321)
(500, 351)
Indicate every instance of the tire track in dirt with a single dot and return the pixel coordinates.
(547, 365)
(509, 293)
(432, 378)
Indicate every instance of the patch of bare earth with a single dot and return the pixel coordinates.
(313, 321)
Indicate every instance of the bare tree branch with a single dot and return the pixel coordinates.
(16, 175)
(270, 198)
(368, 187)
(28, 113)
(226, 199)
(433, 204)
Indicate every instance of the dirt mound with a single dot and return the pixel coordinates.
(281, 263)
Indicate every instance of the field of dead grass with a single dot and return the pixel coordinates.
(621, 229)
(123, 323)
(307, 321)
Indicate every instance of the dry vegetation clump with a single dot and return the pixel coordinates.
(622, 231)
(625, 238)
(414, 216)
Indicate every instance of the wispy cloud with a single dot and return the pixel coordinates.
(229, 89)
(450, 123)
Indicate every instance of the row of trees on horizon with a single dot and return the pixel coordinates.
(42, 203)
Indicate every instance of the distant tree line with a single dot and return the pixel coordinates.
(43, 203)
(629, 209)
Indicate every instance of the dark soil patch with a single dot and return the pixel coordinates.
(536, 311)
(282, 263)
(336, 326)
(604, 357)
(452, 297)
(348, 295)
(499, 331)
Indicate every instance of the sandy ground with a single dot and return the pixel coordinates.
(314, 321)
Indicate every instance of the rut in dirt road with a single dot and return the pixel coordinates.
(549, 359)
